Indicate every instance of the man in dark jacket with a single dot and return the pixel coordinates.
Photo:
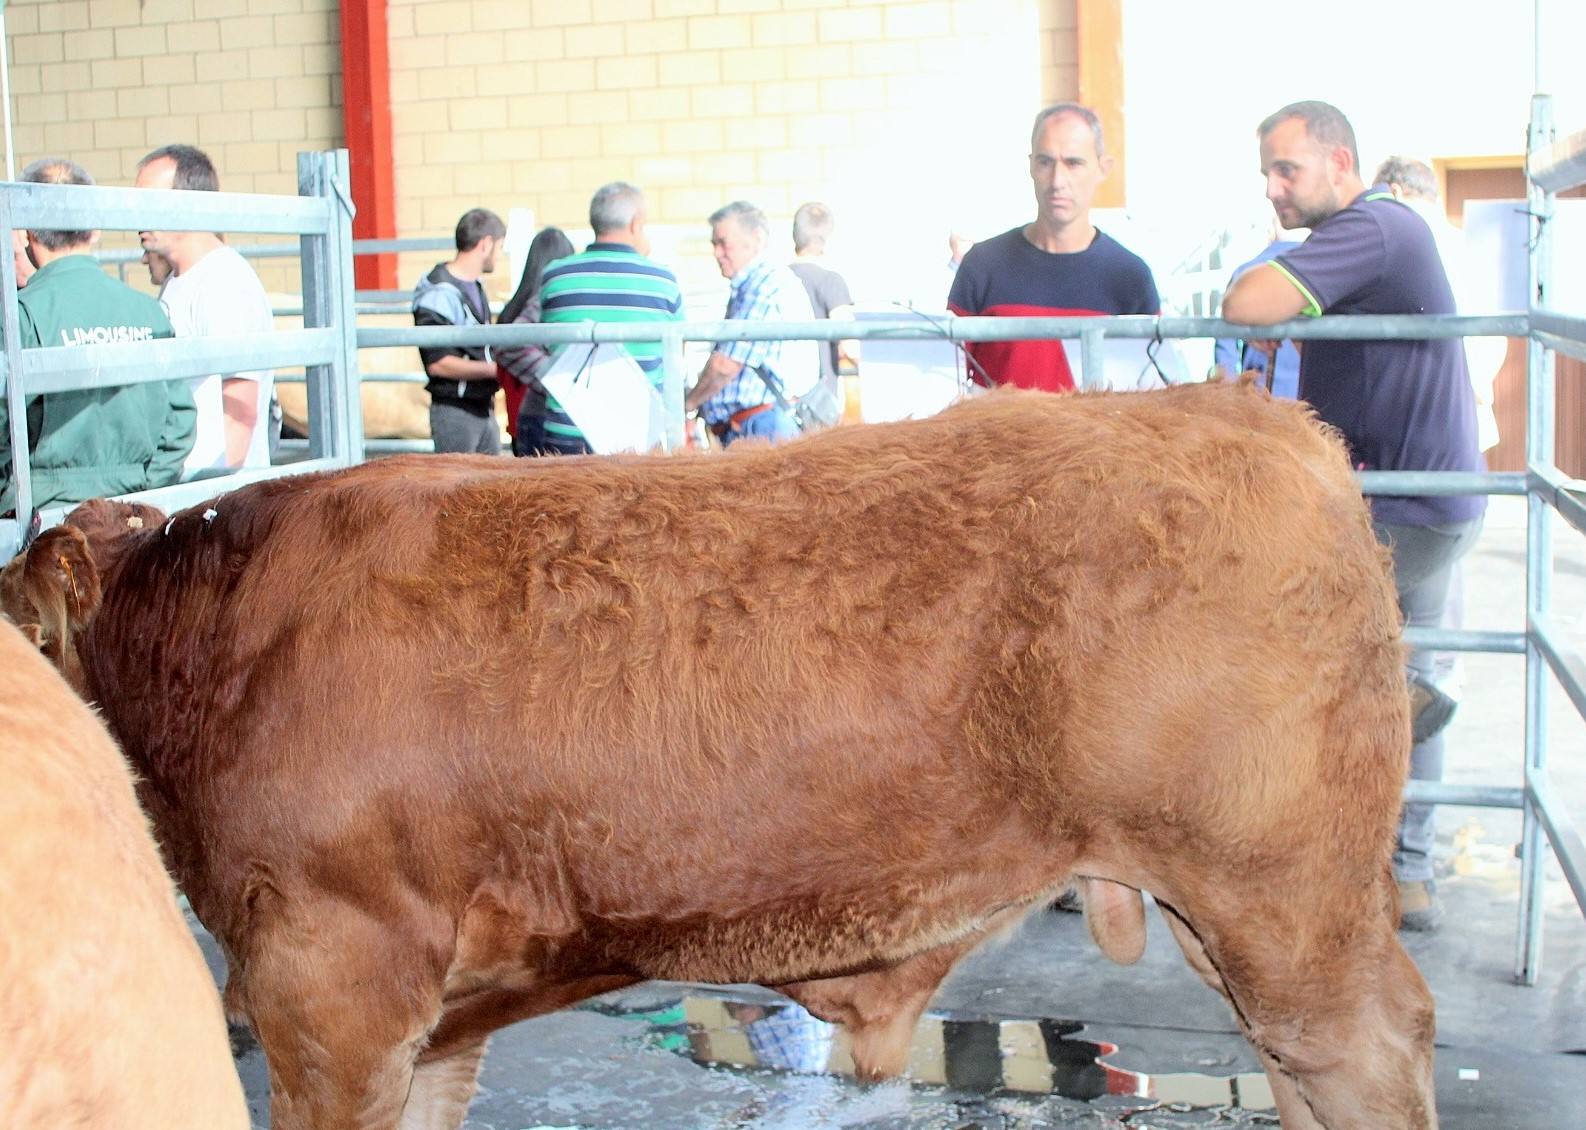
(97, 441)
(462, 379)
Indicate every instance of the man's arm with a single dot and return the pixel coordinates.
(447, 362)
(1265, 294)
(240, 398)
(177, 433)
(718, 370)
(454, 368)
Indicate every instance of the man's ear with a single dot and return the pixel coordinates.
(1105, 164)
(1341, 160)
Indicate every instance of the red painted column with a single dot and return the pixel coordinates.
(366, 118)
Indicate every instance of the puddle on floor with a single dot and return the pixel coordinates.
(982, 1055)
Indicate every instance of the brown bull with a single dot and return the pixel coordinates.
(436, 744)
(108, 1016)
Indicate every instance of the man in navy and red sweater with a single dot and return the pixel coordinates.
(1059, 264)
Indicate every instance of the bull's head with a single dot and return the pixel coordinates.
(52, 589)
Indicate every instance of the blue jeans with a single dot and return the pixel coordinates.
(1423, 566)
(772, 424)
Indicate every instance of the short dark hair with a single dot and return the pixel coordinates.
(476, 224)
(747, 216)
(1075, 109)
(194, 170)
(1324, 122)
(812, 224)
(58, 170)
(1414, 178)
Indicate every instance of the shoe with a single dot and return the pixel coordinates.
(1420, 910)
(1069, 901)
(1430, 709)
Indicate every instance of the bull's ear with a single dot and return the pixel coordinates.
(60, 582)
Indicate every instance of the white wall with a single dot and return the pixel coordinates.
(1427, 78)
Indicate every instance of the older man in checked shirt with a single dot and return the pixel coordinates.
(747, 387)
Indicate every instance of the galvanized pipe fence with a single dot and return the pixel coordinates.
(327, 346)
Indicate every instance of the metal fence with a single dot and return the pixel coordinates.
(328, 344)
(320, 216)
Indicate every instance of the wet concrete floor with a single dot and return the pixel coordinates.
(1040, 1030)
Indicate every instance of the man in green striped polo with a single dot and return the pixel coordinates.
(613, 280)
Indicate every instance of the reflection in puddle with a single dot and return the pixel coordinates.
(976, 1054)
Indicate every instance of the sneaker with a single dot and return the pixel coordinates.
(1420, 910)
(1430, 709)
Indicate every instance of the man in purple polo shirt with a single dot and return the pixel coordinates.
(1401, 405)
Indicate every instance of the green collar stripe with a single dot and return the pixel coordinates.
(1313, 308)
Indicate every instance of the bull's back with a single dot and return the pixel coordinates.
(955, 623)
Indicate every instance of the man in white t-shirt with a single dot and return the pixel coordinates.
(214, 292)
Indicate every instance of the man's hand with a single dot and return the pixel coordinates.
(718, 370)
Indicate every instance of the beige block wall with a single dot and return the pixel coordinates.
(251, 82)
(908, 118)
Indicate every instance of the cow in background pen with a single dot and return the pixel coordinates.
(438, 744)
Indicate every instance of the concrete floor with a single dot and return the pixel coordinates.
(1509, 1058)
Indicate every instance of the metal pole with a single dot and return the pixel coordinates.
(1092, 358)
(672, 388)
(5, 92)
(16, 407)
(1538, 557)
(328, 303)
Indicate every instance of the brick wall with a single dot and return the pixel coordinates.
(251, 82)
(908, 118)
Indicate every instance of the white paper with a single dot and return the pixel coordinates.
(608, 396)
(1127, 367)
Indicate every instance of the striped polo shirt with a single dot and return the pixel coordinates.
(609, 282)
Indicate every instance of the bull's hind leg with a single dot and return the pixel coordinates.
(342, 1010)
(442, 1089)
(1339, 1013)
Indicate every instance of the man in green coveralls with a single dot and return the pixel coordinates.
(98, 441)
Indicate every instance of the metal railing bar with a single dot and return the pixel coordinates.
(1427, 484)
(1571, 326)
(1468, 796)
(1558, 344)
(413, 243)
(1567, 662)
(179, 496)
(387, 446)
(1358, 327)
(92, 208)
(68, 368)
(1465, 639)
(1561, 165)
(1568, 848)
(364, 378)
(1567, 496)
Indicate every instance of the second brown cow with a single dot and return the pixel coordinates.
(434, 745)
